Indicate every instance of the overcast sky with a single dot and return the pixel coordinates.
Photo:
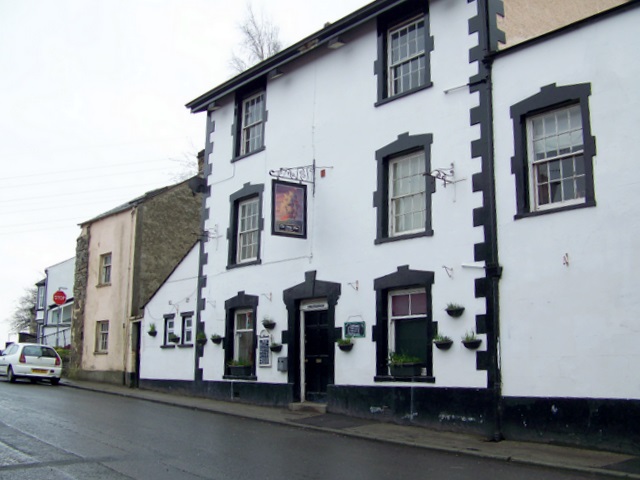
(92, 114)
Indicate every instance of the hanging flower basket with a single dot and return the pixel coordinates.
(472, 344)
(152, 333)
(443, 344)
(275, 347)
(217, 339)
(268, 323)
(454, 310)
(347, 347)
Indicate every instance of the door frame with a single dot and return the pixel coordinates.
(312, 305)
(293, 298)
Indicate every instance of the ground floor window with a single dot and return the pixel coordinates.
(243, 351)
(403, 329)
(187, 328)
(408, 323)
(240, 335)
(102, 336)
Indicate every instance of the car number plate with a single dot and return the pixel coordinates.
(39, 370)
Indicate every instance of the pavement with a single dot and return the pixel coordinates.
(615, 465)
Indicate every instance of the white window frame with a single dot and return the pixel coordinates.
(238, 331)
(391, 329)
(41, 301)
(576, 151)
(252, 134)
(418, 195)
(420, 53)
(187, 329)
(105, 268)
(248, 235)
(102, 336)
(169, 328)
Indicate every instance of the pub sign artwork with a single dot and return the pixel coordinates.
(289, 209)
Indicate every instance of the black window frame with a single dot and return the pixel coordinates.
(387, 21)
(403, 279)
(259, 86)
(247, 192)
(241, 301)
(404, 144)
(550, 97)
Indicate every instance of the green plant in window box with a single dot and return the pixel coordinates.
(215, 338)
(201, 338)
(471, 341)
(152, 330)
(454, 309)
(443, 342)
(240, 368)
(403, 365)
(173, 338)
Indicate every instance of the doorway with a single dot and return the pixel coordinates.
(315, 355)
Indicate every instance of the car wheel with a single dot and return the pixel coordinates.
(55, 381)
(10, 376)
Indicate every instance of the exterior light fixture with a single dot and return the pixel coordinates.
(336, 42)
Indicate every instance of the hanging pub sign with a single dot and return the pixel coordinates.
(289, 209)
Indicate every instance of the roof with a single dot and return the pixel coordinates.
(304, 46)
(133, 203)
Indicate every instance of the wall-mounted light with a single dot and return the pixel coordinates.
(336, 42)
(275, 73)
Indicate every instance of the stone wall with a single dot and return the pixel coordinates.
(79, 294)
(167, 227)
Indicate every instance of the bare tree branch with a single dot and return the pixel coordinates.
(24, 316)
(260, 40)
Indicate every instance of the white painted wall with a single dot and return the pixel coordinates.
(176, 295)
(323, 108)
(59, 277)
(573, 330)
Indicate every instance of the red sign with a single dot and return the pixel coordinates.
(59, 297)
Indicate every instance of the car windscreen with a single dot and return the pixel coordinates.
(37, 351)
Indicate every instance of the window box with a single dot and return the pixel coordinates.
(173, 338)
(275, 347)
(406, 370)
(240, 370)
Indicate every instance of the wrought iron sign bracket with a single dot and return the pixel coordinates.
(446, 175)
(305, 174)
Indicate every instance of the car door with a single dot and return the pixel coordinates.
(4, 358)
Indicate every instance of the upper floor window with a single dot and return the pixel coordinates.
(248, 230)
(41, 303)
(245, 226)
(404, 47)
(252, 123)
(554, 150)
(407, 64)
(403, 198)
(407, 191)
(105, 269)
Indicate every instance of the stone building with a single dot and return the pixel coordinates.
(122, 257)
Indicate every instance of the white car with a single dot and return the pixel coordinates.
(32, 361)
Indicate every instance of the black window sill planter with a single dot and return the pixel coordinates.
(415, 379)
(240, 377)
(455, 312)
(239, 370)
(167, 346)
(346, 347)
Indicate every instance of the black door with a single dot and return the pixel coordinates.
(316, 355)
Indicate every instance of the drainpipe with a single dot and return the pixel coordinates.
(488, 36)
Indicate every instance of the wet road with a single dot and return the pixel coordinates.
(63, 433)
